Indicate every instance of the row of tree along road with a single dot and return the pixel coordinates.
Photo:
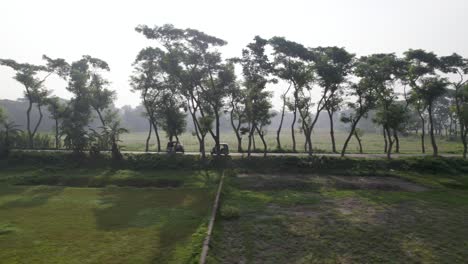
(184, 73)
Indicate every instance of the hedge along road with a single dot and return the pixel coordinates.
(272, 154)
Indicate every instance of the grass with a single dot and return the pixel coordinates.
(62, 224)
(315, 220)
(372, 142)
(273, 210)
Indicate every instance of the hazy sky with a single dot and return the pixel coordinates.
(105, 29)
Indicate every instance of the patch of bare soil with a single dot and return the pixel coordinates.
(311, 182)
(297, 211)
(375, 183)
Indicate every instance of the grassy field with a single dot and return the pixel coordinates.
(273, 210)
(372, 143)
(332, 219)
(63, 224)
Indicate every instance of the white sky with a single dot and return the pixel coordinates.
(105, 29)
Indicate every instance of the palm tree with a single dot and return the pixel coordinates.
(112, 133)
(10, 130)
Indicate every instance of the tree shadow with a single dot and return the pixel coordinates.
(32, 197)
(176, 214)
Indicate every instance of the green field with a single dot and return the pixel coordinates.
(372, 143)
(287, 218)
(272, 210)
(63, 224)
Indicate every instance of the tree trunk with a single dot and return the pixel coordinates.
(38, 122)
(397, 141)
(293, 137)
(309, 141)
(431, 132)
(385, 140)
(28, 125)
(57, 139)
(217, 147)
(149, 137)
(278, 132)
(390, 143)
(251, 131)
(158, 140)
(260, 134)
(332, 131)
(359, 141)
(100, 117)
(348, 138)
(202, 147)
(423, 133)
(236, 131)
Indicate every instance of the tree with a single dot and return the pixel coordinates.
(195, 66)
(332, 66)
(256, 69)
(10, 130)
(455, 64)
(365, 94)
(112, 133)
(56, 110)
(148, 79)
(419, 64)
(77, 114)
(237, 113)
(171, 118)
(381, 72)
(28, 75)
(332, 106)
(392, 118)
(101, 98)
(292, 63)
(429, 91)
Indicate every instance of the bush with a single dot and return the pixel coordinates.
(229, 212)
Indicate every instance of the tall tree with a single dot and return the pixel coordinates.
(56, 110)
(292, 63)
(78, 114)
(430, 90)
(332, 66)
(458, 66)
(419, 64)
(332, 106)
(381, 72)
(365, 93)
(148, 79)
(237, 113)
(256, 69)
(194, 63)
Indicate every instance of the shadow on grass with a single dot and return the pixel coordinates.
(30, 197)
(176, 214)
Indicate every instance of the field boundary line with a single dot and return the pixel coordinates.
(206, 242)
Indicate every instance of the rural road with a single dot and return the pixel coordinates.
(236, 154)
